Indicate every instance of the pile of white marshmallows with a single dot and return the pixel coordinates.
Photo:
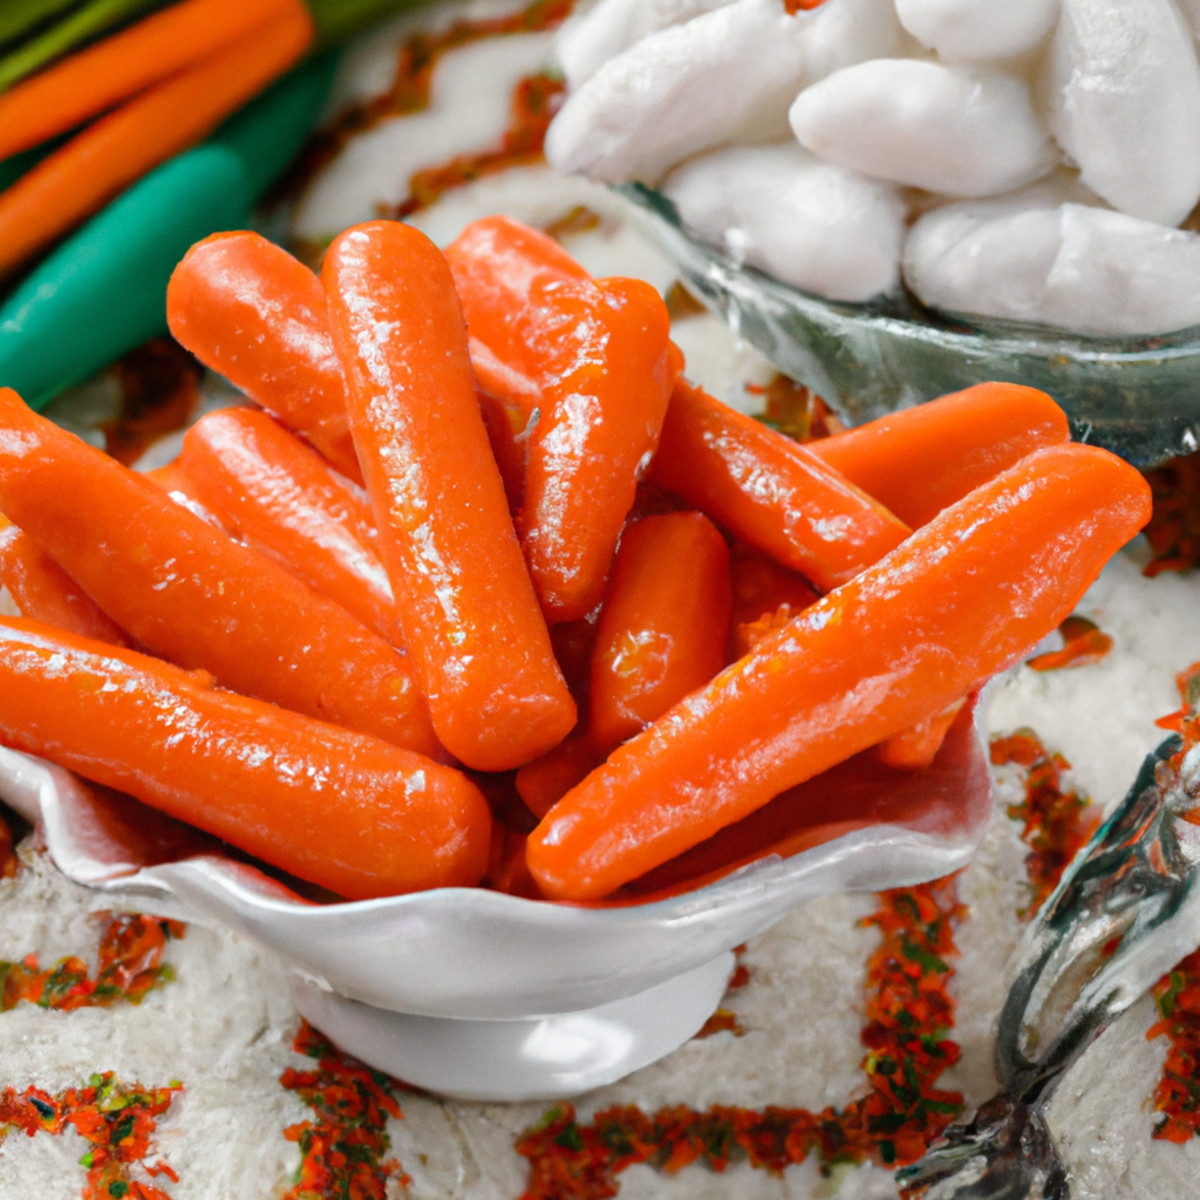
(1029, 160)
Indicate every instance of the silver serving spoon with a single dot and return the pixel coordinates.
(1133, 886)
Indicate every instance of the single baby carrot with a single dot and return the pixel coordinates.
(770, 491)
(599, 355)
(186, 591)
(86, 83)
(340, 809)
(664, 623)
(278, 495)
(962, 598)
(919, 460)
(470, 619)
(43, 591)
(256, 315)
(613, 371)
(93, 166)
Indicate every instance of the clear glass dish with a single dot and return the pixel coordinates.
(1138, 398)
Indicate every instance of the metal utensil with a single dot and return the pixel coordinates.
(1125, 912)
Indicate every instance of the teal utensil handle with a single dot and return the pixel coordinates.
(102, 291)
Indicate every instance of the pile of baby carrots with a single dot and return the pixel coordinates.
(481, 588)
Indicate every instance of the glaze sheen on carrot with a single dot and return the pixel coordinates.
(43, 591)
(94, 79)
(960, 599)
(469, 615)
(277, 494)
(921, 459)
(664, 624)
(770, 491)
(343, 810)
(186, 591)
(256, 315)
(77, 179)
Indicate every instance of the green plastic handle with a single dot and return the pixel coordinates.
(102, 291)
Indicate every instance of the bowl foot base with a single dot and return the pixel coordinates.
(536, 1058)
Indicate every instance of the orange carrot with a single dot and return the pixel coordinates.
(770, 491)
(256, 315)
(919, 460)
(915, 748)
(470, 618)
(962, 598)
(279, 496)
(508, 432)
(42, 590)
(501, 268)
(612, 377)
(343, 810)
(765, 595)
(664, 623)
(86, 83)
(77, 179)
(541, 784)
(600, 357)
(186, 591)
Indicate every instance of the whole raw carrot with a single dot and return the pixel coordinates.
(86, 83)
(664, 623)
(919, 460)
(470, 618)
(770, 491)
(93, 166)
(962, 598)
(343, 810)
(256, 315)
(43, 591)
(280, 496)
(186, 591)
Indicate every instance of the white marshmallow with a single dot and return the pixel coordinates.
(978, 30)
(1071, 266)
(955, 130)
(841, 33)
(590, 38)
(724, 76)
(1125, 104)
(818, 227)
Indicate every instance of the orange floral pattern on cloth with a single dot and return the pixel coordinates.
(1056, 821)
(1083, 643)
(117, 1121)
(343, 1149)
(1174, 528)
(130, 965)
(909, 1013)
(533, 105)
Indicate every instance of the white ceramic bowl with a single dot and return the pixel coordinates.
(482, 995)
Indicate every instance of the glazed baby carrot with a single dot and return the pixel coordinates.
(664, 623)
(278, 495)
(962, 598)
(186, 591)
(43, 591)
(343, 810)
(78, 87)
(256, 315)
(93, 166)
(600, 354)
(599, 425)
(919, 460)
(470, 619)
(773, 493)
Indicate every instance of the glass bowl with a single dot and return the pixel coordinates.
(1137, 398)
